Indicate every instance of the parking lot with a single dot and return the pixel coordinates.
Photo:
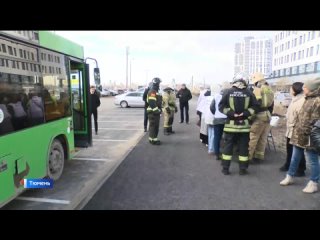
(119, 131)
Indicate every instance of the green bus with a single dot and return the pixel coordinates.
(44, 107)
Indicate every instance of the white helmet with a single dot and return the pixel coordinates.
(241, 76)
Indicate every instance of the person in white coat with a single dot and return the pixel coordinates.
(209, 119)
(200, 111)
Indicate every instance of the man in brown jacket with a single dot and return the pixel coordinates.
(309, 114)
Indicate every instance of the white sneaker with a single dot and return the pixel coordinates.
(287, 181)
(311, 187)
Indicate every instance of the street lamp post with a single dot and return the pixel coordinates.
(127, 55)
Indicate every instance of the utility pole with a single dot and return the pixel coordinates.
(130, 74)
(147, 77)
(127, 55)
(192, 83)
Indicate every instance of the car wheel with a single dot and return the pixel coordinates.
(124, 104)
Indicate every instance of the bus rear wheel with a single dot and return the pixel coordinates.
(55, 160)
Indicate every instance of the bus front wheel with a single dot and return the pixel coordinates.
(55, 160)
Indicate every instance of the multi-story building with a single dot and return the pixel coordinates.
(260, 56)
(296, 56)
(239, 58)
(253, 55)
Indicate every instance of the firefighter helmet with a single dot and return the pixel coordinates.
(257, 77)
(156, 80)
(241, 77)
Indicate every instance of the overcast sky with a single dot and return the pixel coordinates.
(206, 55)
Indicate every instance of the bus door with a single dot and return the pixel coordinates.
(80, 90)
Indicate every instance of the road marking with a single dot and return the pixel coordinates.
(120, 121)
(121, 129)
(47, 200)
(92, 159)
(108, 140)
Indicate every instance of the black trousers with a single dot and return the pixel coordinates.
(241, 140)
(145, 121)
(154, 123)
(95, 119)
(184, 106)
(302, 164)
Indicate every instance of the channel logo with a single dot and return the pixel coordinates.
(38, 183)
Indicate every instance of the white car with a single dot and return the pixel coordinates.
(105, 92)
(283, 98)
(129, 99)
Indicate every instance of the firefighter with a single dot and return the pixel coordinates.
(238, 103)
(154, 101)
(169, 108)
(260, 127)
(144, 98)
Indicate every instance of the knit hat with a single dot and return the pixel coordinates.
(313, 84)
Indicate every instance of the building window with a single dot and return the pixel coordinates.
(32, 56)
(23, 66)
(302, 69)
(294, 56)
(313, 35)
(318, 49)
(309, 36)
(295, 42)
(310, 68)
(15, 51)
(18, 67)
(13, 64)
(302, 54)
(36, 36)
(27, 67)
(4, 49)
(300, 40)
(304, 38)
(311, 51)
(299, 55)
(24, 54)
(307, 52)
(10, 50)
(288, 44)
(28, 54)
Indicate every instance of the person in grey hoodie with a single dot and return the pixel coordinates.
(218, 123)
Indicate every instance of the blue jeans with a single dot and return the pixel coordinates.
(218, 131)
(210, 138)
(312, 157)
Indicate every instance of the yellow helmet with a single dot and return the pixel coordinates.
(257, 77)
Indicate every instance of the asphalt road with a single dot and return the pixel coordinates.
(179, 174)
